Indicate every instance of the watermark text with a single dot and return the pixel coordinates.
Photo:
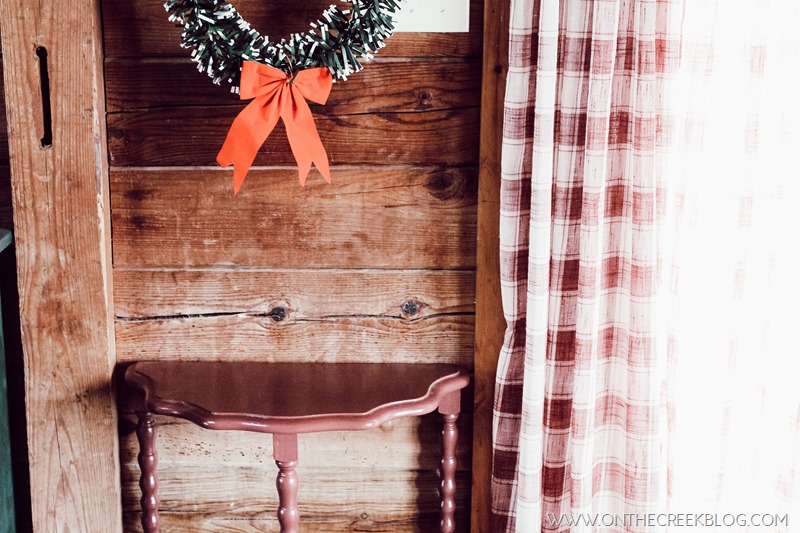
(670, 520)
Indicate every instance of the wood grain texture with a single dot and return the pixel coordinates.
(407, 294)
(489, 320)
(385, 86)
(369, 218)
(192, 136)
(138, 28)
(249, 337)
(61, 230)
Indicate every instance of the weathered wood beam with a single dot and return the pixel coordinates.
(60, 196)
(489, 321)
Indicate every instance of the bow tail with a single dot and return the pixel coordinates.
(304, 140)
(248, 132)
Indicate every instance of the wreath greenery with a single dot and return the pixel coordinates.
(221, 39)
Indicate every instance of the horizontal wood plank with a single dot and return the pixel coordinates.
(235, 491)
(403, 444)
(383, 87)
(405, 217)
(192, 136)
(301, 293)
(139, 28)
(437, 339)
(183, 522)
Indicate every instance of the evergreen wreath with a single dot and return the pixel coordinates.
(221, 39)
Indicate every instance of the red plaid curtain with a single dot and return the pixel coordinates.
(648, 200)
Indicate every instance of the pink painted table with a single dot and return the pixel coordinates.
(286, 399)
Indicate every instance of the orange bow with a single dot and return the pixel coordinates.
(277, 96)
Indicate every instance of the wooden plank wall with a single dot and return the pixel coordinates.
(379, 266)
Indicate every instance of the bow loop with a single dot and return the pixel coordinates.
(277, 96)
(314, 84)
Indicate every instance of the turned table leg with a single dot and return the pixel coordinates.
(148, 461)
(284, 450)
(449, 408)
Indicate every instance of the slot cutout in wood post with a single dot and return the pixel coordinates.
(44, 80)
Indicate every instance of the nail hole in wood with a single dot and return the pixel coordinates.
(44, 80)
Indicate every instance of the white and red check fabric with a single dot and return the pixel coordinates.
(628, 245)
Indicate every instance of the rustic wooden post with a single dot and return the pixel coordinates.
(489, 321)
(53, 65)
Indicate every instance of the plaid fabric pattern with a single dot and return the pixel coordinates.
(609, 178)
(579, 410)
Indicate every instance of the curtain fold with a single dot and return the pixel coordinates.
(647, 174)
